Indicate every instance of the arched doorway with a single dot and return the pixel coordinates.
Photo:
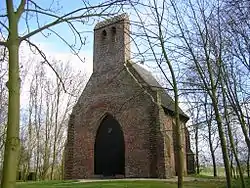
(109, 151)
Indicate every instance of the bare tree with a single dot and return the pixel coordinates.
(231, 139)
(237, 24)
(44, 131)
(3, 101)
(203, 45)
(195, 111)
(12, 38)
(153, 24)
(237, 96)
(209, 120)
(248, 153)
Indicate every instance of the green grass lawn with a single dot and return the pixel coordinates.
(119, 184)
(201, 183)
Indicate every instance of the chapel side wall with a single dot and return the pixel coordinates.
(170, 156)
(69, 148)
(156, 135)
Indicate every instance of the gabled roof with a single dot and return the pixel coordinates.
(167, 101)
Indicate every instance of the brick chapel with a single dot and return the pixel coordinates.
(122, 124)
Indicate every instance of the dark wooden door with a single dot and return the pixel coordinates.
(109, 148)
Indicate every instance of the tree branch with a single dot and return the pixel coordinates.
(20, 9)
(1, 23)
(10, 9)
(150, 45)
(42, 12)
(74, 51)
(57, 22)
(39, 7)
(47, 61)
(2, 43)
(69, 17)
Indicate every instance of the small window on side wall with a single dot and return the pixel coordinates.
(113, 32)
(104, 34)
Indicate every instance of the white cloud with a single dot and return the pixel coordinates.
(87, 57)
(29, 59)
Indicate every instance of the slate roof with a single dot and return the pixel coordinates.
(167, 101)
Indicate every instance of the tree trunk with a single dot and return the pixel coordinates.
(214, 99)
(46, 144)
(62, 164)
(209, 125)
(180, 154)
(29, 134)
(222, 140)
(37, 127)
(231, 141)
(12, 140)
(214, 164)
(248, 156)
(179, 144)
(55, 130)
(211, 149)
(179, 133)
(248, 161)
(197, 150)
(233, 98)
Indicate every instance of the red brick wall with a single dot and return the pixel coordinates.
(111, 89)
(136, 117)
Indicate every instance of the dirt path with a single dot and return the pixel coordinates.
(174, 179)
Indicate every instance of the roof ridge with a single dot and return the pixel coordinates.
(166, 100)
